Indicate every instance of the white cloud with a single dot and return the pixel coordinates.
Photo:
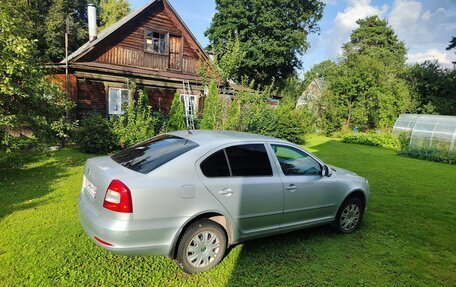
(425, 31)
(444, 57)
(345, 22)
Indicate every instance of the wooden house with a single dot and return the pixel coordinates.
(151, 47)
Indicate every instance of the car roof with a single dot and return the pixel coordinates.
(211, 137)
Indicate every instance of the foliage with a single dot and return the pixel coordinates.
(112, 11)
(212, 116)
(176, 119)
(55, 25)
(95, 135)
(366, 89)
(452, 45)
(27, 98)
(233, 120)
(137, 123)
(271, 35)
(231, 60)
(373, 139)
(429, 154)
(256, 115)
(326, 71)
(20, 143)
(433, 88)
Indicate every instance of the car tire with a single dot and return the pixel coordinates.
(201, 247)
(350, 215)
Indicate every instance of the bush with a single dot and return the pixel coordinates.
(372, 139)
(429, 154)
(20, 143)
(95, 135)
(137, 123)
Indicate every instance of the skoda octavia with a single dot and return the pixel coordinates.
(190, 195)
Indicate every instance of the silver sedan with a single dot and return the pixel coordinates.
(190, 195)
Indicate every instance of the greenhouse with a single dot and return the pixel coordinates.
(428, 131)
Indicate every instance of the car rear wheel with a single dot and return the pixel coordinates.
(202, 246)
(350, 215)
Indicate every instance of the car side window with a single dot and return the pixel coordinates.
(215, 165)
(296, 162)
(249, 160)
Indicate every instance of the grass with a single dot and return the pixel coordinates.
(408, 237)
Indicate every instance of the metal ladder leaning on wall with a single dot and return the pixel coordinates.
(189, 105)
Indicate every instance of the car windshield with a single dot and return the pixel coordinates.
(153, 153)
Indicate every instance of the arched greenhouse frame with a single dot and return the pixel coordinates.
(430, 132)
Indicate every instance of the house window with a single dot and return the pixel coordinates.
(156, 42)
(118, 100)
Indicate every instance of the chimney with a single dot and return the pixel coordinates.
(92, 17)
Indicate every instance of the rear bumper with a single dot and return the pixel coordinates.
(129, 237)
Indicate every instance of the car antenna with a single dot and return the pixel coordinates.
(189, 132)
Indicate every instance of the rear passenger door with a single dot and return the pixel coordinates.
(242, 178)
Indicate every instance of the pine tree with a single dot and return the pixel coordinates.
(176, 120)
(212, 114)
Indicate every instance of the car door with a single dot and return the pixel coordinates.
(309, 197)
(243, 179)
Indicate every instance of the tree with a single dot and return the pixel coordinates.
(452, 45)
(27, 98)
(176, 120)
(369, 90)
(325, 71)
(112, 11)
(212, 114)
(374, 38)
(272, 35)
(433, 88)
(55, 24)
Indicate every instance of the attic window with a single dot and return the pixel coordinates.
(156, 42)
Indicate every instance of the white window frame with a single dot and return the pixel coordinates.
(120, 105)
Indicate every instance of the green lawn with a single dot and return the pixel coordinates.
(408, 237)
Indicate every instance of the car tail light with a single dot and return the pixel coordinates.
(118, 197)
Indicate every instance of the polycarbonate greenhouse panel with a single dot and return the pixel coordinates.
(428, 131)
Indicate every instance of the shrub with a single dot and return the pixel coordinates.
(137, 123)
(429, 154)
(95, 135)
(372, 139)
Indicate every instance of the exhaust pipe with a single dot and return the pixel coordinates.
(92, 17)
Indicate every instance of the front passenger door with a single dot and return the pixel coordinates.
(310, 198)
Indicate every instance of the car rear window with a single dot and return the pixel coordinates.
(153, 153)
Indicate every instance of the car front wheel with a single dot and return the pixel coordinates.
(350, 215)
(202, 246)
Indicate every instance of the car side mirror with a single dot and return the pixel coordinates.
(327, 171)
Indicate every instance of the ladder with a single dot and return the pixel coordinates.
(189, 105)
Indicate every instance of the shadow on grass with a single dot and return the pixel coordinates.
(28, 177)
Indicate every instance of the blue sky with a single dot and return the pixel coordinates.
(425, 26)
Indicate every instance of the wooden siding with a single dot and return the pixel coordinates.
(126, 46)
(91, 97)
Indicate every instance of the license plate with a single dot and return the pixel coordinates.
(89, 187)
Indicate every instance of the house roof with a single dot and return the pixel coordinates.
(88, 46)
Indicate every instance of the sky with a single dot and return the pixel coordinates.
(426, 26)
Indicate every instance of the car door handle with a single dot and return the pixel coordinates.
(226, 192)
(291, 188)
